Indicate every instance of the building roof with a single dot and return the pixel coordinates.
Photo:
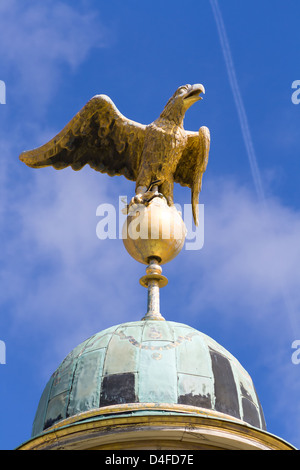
(149, 362)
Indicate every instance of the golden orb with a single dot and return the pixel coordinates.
(153, 230)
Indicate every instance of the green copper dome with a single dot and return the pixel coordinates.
(149, 362)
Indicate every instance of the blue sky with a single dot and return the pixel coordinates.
(59, 283)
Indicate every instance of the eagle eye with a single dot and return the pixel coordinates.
(182, 88)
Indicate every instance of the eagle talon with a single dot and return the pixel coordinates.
(137, 199)
(147, 197)
(142, 198)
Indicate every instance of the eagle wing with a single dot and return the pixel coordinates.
(192, 165)
(98, 135)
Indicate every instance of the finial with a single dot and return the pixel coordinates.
(153, 234)
(153, 280)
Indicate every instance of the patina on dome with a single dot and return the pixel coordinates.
(148, 362)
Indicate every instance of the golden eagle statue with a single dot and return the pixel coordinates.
(154, 156)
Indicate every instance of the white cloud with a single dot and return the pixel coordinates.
(38, 39)
(55, 271)
(251, 256)
(280, 382)
(248, 264)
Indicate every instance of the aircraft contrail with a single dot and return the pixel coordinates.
(238, 99)
(247, 135)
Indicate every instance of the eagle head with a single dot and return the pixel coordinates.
(184, 97)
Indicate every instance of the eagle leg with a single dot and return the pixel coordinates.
(167, 189)
(145, 194)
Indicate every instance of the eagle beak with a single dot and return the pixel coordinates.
(194, 91)
(193, 94)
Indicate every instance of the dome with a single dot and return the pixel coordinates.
(147, 365)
